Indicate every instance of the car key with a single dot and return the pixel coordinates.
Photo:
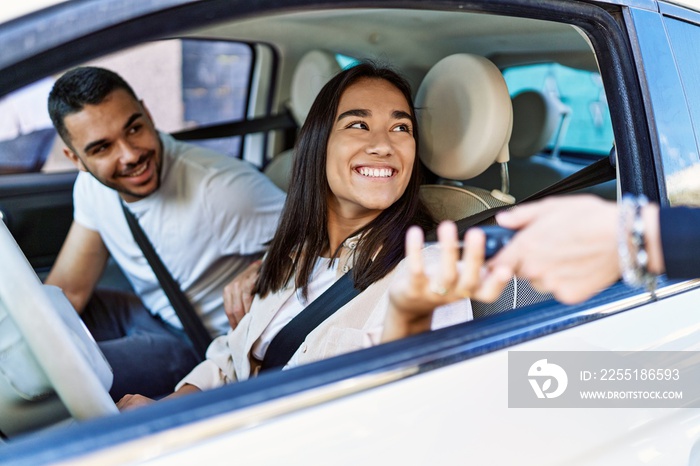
(496, 238)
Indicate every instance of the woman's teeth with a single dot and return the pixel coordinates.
(376, 172)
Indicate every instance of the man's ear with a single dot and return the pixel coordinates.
(73, 157)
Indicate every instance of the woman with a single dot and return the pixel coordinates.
(353, 195)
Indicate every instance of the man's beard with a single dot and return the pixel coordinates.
(120, 189)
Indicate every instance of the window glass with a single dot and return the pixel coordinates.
(26, 133)
(346, 62)
(684, 38)
(215, 84)
(589, 128)
(183, 83)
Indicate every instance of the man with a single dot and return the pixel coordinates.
(208, 216)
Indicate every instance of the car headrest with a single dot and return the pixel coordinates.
(536, 118)
(465, 117)
(313, 71)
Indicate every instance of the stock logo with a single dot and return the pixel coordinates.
(542, 373)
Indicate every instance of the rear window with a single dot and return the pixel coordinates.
(589, 129)
(185, 84)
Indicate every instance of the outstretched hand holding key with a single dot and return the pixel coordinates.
(416, 293)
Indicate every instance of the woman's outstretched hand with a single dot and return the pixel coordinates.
(414, 296)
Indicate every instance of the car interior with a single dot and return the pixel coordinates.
(484, 145)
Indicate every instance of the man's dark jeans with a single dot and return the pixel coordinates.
(147, 355)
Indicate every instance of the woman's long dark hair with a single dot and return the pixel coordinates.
(302, 235)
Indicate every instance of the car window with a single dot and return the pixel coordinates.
(185, 84)
(26, 133)
(215, 82)
(683, 166)
(683, 37)
(589, 129)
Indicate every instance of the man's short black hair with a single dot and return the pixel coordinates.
(86, 85)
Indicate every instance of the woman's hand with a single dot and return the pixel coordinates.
(414, 297)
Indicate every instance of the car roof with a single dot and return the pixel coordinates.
(12, 10)
(349, 35)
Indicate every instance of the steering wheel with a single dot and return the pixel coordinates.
(45, 348)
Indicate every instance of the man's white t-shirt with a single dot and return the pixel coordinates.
(209, 213)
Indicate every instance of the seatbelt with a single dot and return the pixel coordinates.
(598, 172)
(194, 328)
(290, 338)
(238, 128)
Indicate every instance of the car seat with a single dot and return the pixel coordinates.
(465, 119)
(312, 72)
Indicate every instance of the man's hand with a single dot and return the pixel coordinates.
(238, 294)
(136, 401)
(564, 245)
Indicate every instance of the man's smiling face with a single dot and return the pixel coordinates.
(116, 141)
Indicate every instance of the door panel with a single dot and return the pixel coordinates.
(38, 209)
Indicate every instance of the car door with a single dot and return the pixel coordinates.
(38, 210)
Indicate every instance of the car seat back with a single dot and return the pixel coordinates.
(465, 121)
(312, 72)
(538, 118)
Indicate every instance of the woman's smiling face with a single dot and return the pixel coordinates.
(371, 149)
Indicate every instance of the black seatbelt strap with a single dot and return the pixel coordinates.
(596, 173)
(238, 128)
(290, 338)
(194, 328)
